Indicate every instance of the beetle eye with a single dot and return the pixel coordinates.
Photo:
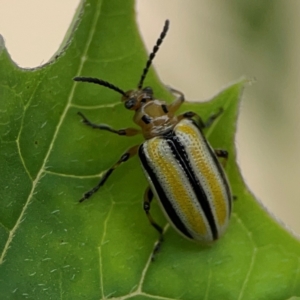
(130, 103)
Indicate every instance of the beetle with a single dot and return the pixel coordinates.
(182, 169)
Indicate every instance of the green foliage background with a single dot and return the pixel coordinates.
(52, 247)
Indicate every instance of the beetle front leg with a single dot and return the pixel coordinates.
(148, 196)
(174, 106)
(128, 154)
(125, 131)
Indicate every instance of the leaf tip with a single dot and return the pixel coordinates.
(2, 43)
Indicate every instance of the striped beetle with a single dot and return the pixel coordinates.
(181, 167)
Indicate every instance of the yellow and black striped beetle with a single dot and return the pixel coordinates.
(181, 167)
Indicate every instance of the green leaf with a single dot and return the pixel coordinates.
(52, 247)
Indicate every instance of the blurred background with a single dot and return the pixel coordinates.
(210, 44)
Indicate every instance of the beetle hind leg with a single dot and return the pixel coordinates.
(148, 196)
(128, 154)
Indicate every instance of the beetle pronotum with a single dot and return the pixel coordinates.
(182, 169)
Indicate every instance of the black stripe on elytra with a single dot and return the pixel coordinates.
(222, 174)
(219, 167)
(162, 195)
(182, 158)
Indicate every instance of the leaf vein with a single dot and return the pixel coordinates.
(74, 176)
(96, 106)
(115, 59)
(63, 115)
(22, 124)
(102, 242)
(253, 257)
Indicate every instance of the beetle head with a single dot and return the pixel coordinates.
(134, 99)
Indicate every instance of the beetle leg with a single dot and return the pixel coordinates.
(213, 117)
(200, 122)
(223, 154)
(148, 196)
(190, 115)
(128, 154)
(177, 102)
(125, 131)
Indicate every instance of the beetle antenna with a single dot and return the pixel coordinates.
(152, 55)
(100, 82)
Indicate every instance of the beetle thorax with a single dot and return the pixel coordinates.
(154, 118)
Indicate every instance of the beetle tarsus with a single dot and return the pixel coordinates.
(213, 117)
(157, 248)
(87, 195)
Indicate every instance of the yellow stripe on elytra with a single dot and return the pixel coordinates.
(174, 183)
(209, 174)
